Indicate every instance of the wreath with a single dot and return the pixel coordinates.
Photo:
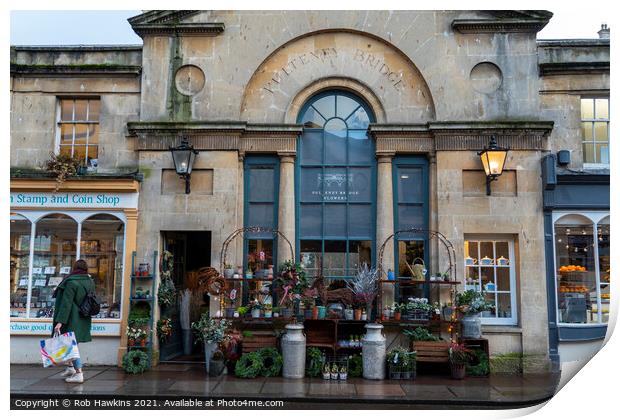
(272, 361)
(482, 367)
(135, 361)
(249, 365)
(314, 362)
(355, 366)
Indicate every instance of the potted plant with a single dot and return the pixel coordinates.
(217, 363)
(291, 283)
(276, 312)
(385, 316)
(308, 305)
(228, 271)
(397, 362)
(470, 303)
(249, 274)
(365, 286)
(459, 357)
(231, 298)
(267, 308)
(343, 373)
(334, 373)
(255, 307)
(212, 332)
(326, 371)
(396, 309)
(242, 310)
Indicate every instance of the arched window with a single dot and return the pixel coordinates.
(335, 185)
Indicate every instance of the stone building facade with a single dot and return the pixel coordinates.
(426, 91)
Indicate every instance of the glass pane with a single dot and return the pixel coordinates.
(80, 109)
(93, 110)
(409, 252)
(311, 188)
(312, 148)
(487, 278)
(600, 131)
(487, 255)
(335, 220)
(602, 152)
(81, 133)
(335, 143)
(359, 119)
(326, 106)
(260, 254)
(20, 256)
(602, 109)
(66, 110)
(410, 185)
(66, 133)
(604, 267)
(92, 156)
(504, 305)
(360, 148)
(334, 184)
(260, 215)
(102, 249)
(472, 278)
(587, 109)
(360, 184)
(576, 273)
(410, 216)
(334, 258)
(312, 119)
(93, 134)
(586, 131)
(503, 279)
(345, 106)
(588, 153)
(502, 253)
(359, 254)
(262, 184)
(490, 297)
(66, 150)
(79, 152)
(310, 220)
(471, 252)
(54, 255)
(310, 256)
(360, 220)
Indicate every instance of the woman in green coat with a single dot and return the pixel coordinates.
(69, 295)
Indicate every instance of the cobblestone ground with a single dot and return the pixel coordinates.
(176, 380)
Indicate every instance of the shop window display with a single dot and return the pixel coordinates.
(19, 265)
(490, 268)
(335, 186)
(582, 269)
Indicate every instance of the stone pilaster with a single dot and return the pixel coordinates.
(385, 218)
(286, 209)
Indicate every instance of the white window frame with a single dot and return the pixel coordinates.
(595, 217)
(593, 165)
(59, 122)
(513, 320)
(78, 216)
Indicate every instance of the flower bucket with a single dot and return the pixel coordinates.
(255, 313)
(210, 348)
(308, 313)
(287, 312)
(458, 371)
(357, 314)
(471, 326)
(187, 342)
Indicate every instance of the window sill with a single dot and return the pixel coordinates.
(501, 329)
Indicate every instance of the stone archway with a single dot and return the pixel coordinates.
(356, 61)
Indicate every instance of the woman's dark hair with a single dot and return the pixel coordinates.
(80, 265)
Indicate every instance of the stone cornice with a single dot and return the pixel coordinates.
(187, 29)
(552, 69)
(77, 69)
(476, 26)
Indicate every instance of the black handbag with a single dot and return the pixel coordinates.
(90, 305)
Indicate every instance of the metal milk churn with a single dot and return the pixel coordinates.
(373, 352)
(294, 351)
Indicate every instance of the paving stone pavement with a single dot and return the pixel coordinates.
(176, 380)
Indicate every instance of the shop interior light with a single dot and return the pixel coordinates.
(493, 160)
(183, 157)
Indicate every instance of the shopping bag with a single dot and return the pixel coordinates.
(61, 348)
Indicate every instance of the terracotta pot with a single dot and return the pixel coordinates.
(357, 314)
(396, 316)
(315, 312)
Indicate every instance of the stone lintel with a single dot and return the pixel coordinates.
(516, 25)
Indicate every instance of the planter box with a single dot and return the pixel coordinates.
(431, 351)
(258, 340)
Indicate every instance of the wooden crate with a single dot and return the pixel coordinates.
(431, 351)
(258, 340)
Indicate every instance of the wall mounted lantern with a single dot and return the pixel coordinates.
(183, 157)
(493, 160)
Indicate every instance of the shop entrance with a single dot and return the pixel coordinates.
(191, 251)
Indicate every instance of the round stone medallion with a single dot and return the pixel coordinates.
(189, 80)
(485, 77)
